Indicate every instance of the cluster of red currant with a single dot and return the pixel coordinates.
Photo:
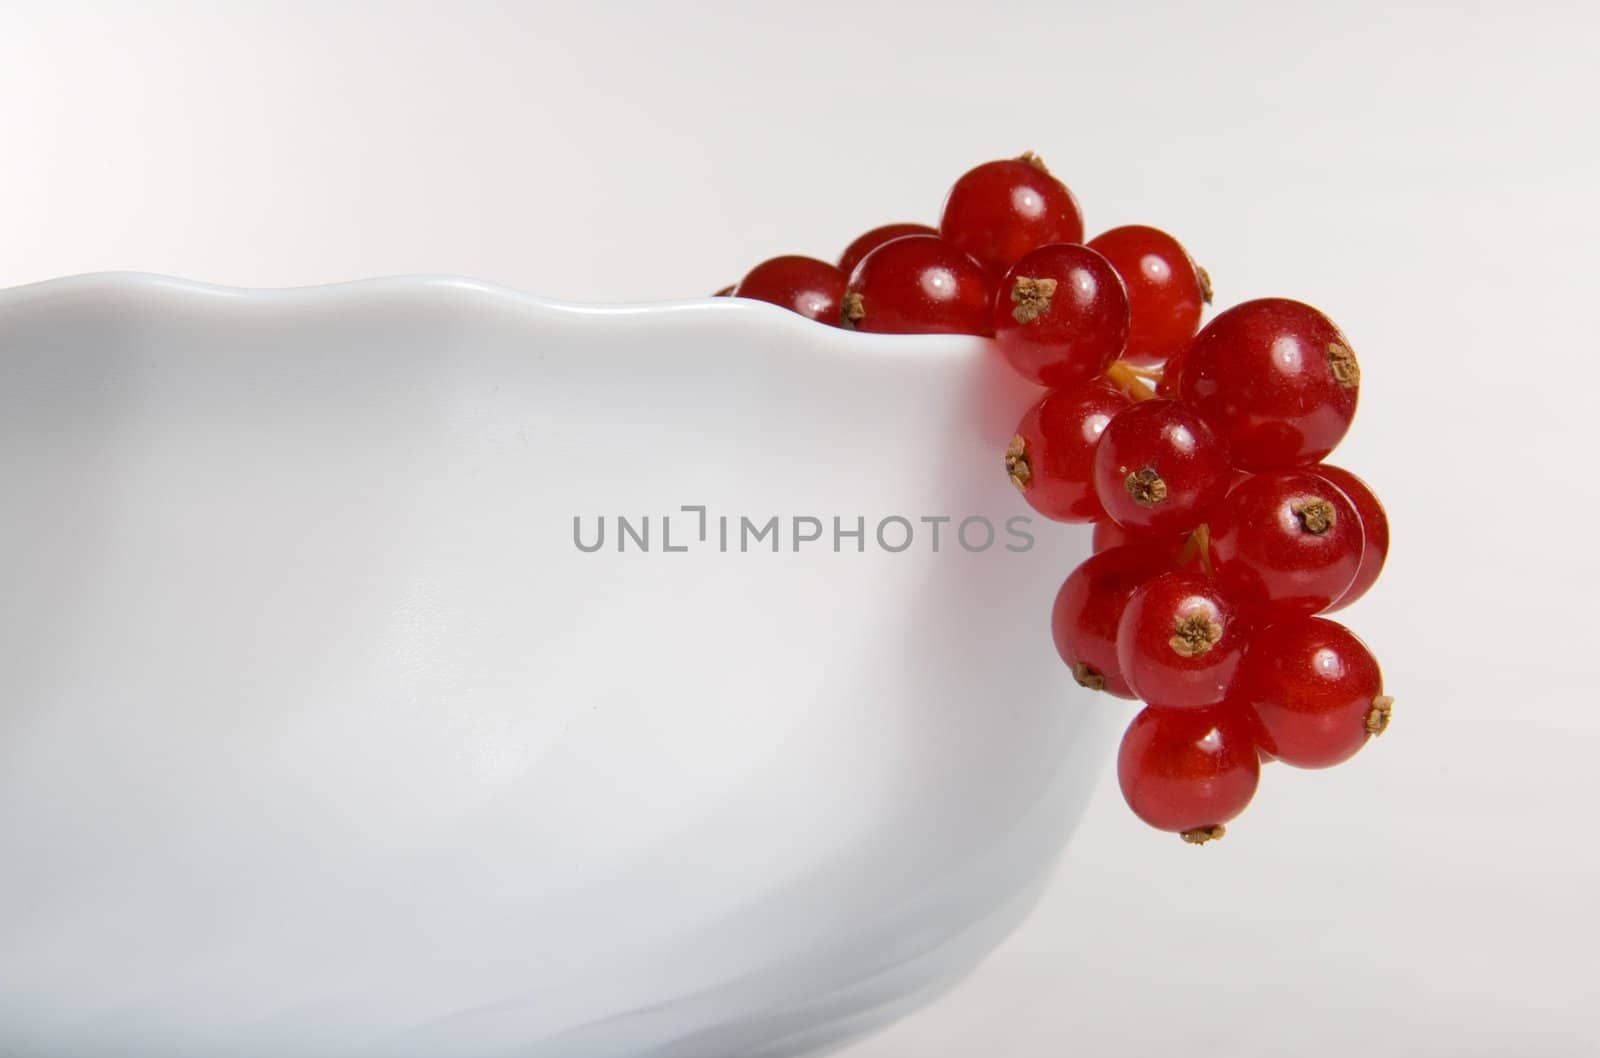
(1219, 534)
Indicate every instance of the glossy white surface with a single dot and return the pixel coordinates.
(320, 737)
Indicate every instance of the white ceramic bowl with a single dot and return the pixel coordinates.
(321, 737)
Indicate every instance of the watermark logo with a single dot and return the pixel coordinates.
(694, 527)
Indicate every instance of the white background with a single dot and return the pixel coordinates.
(1425, 173)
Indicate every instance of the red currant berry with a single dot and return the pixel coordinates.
(1061, 315)
(1179, 641)
(1108, 534)
(813, 288)
(1051, 458)
(1315, 689)
(1277, 378)
(918, 284)
(1166, 291)
(1111, 535)
(1374, 531)
(1160, 468)
(1188, 770)
(1171, 382)
(1289, 543)
(875, 238)
(1001, 210)
(1088, 608)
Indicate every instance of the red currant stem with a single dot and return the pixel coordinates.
(1149, 374)
(1130, 380)
(1201, 835)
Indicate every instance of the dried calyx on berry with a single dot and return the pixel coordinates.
(1017, 463)
(1146, 487)
(1030, 297)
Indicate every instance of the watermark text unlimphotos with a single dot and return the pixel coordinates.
(695, 528)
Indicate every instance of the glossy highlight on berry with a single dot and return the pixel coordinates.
(1160, 468)
(1166, 291)
(1188, 771)
(1001, 210)
(1061, 315)
(1289, 543)
(1179, 641)
(1051, 458)
(1277, 378)
(1315, 690)
(813, 288)
(918, 284)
